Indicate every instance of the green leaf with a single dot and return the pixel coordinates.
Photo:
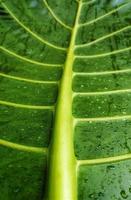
(65, 112)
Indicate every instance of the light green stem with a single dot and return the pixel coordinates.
(62, 162)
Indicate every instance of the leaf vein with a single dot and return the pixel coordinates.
(31, 32)
(103, 54)
(101, 92)
(55, 17)
(104, 160)
(101, 73)
(103, 16)
(27, 80)
(27, 59)
(17, 105)
(20, 147)
(103, 38)
(95, 119)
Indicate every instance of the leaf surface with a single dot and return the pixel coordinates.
(65, 92)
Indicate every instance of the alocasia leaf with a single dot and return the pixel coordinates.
(65, 112)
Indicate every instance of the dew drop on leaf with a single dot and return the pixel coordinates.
(110, 167)
(16, 190)
(123, 194)
(91, 196)
(33, 4)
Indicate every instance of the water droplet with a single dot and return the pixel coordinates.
(39, 138)
(10, 166)
(16, 190)
(33, 4)
(22, 129)
(98, 136)
(86, 180)
(100, 194)
(110, 167)
(123, 194)
(6, 111)
(91, 196)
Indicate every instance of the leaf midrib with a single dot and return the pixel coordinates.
(62, 140)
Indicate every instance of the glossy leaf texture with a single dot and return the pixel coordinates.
(34, 40)
(30, 70)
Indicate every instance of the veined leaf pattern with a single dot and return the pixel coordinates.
(65, 95)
